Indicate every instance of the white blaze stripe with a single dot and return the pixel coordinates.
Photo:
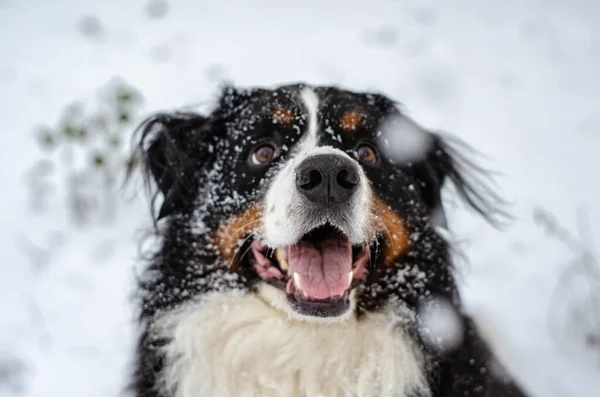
(311, 102)
(288, 217)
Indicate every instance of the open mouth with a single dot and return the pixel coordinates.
(317, 273)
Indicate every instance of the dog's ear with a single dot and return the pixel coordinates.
(446, 161)
(171, 148)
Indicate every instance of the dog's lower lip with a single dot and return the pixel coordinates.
(332, 307)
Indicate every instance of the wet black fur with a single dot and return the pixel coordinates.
(195, 164)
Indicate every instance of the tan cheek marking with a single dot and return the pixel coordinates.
(283, 115)
(228, 235)
(350, 120)
(393, 230)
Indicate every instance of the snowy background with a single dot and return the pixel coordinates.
(517, 79)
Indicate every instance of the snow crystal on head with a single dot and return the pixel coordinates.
(403, 140)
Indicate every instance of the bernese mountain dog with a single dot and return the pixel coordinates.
(302, 252)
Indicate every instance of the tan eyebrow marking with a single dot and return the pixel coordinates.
(350, 120)
(283, 115)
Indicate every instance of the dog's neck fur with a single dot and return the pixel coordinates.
(238, 345)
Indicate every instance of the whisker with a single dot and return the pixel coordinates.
(385, 228)
(245, 252)
(237, 251)
(247, 224)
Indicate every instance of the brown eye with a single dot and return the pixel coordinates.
(263, 154)
(366, 154)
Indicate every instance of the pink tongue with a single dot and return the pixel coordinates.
(323, 268)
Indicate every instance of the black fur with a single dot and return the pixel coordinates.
(199, 166)
(176, 150)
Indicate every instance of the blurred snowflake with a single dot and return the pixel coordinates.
(440, 324)
(157, 8)
(91, 27)
(385, 36)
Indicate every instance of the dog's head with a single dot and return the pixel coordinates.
(321, 200)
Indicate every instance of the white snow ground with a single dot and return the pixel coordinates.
(517, 79)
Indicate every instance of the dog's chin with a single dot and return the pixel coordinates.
(315, 277)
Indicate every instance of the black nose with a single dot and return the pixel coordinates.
(327, 178)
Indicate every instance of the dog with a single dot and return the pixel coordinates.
(302, 252)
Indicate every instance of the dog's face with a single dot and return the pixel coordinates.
(321, 200)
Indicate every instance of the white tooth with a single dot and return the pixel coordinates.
(350, 277)
(282, 258)
(297, 282)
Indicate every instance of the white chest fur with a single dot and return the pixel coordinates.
(237, 345)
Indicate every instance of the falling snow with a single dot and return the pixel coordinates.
(440, 325)
(402, 140)
(69, 318)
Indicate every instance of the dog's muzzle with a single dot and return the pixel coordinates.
(316, 243)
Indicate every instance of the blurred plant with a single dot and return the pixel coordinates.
(85, 153)
(12, 373)
(578, 290)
